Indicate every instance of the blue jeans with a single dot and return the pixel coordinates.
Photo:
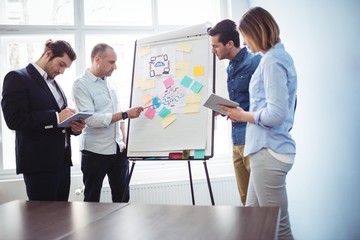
(267, 187)
(95, 166)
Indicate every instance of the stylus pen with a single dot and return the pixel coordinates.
(148, 106)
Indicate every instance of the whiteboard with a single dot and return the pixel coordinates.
(173, 75)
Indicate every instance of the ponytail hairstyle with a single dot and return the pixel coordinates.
(259, 25)
(59, 48)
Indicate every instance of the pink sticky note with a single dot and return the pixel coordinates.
(168, 82)
(150, 113)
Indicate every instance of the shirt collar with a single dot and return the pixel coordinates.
(40, 70)
(240, 55)
(92, 77)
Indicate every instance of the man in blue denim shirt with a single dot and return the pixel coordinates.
(225, 42)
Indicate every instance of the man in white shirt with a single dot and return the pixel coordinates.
(103, 141)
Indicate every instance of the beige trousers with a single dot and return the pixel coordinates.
(242, 171)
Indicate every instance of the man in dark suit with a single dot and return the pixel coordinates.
(33, 105)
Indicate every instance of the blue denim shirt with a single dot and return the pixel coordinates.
(239, 72)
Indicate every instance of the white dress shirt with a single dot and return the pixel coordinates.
(98, 96)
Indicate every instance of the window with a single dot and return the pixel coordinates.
(188, 12)
(118, 12)
(123, 45)
(37, 12)
(24, 30)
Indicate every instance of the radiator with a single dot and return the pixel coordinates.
(224, 190)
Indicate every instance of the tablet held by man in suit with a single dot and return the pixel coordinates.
(33, 105)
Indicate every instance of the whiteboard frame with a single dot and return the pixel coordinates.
(180, 35)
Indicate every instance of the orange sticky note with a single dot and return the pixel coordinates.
(146, 98)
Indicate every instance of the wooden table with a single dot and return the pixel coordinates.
(80, 220)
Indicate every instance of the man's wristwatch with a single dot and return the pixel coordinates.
(124, 115)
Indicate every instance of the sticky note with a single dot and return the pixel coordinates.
(169, 119)
(192, 98)
(199, 154)
(198, 71)
(164, 112)
(147, 84)
(196, 87)
(146, 98)
(181, 73)
(168, 82)
(150, 113)
(192, 108)
(144, 51)
(186, 81)
(137, 83)
(183, 47)
(182, 65)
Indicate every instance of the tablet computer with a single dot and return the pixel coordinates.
(214, 101)
(76, 117)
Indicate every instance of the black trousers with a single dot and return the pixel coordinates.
(96, 166)
(48, 186)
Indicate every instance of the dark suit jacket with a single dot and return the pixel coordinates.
(29, 108)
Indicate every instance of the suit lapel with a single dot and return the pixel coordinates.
(38, 79)
(62, 94)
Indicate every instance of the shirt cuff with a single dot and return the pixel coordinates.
(57, 117)
(107, 119)
(257, 116)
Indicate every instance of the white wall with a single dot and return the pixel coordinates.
(324, 184)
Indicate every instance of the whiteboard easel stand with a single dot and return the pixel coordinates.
(197, 37)
(190, 178)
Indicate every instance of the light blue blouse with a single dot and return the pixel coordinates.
(272, 90)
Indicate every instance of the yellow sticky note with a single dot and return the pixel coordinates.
(147, 84)
(144, 51)
(192, 98)
(180, 73)
(198, 71)
(184, 47)
(169, 119)
(137, 83)
(182, 65)
(192, 108)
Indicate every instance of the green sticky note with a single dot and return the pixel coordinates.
(196, 87)
(199, 154)
(186, 81)
(164, 112)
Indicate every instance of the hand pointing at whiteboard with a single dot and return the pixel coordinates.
(132, 113)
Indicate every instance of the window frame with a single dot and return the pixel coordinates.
(219, 165)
